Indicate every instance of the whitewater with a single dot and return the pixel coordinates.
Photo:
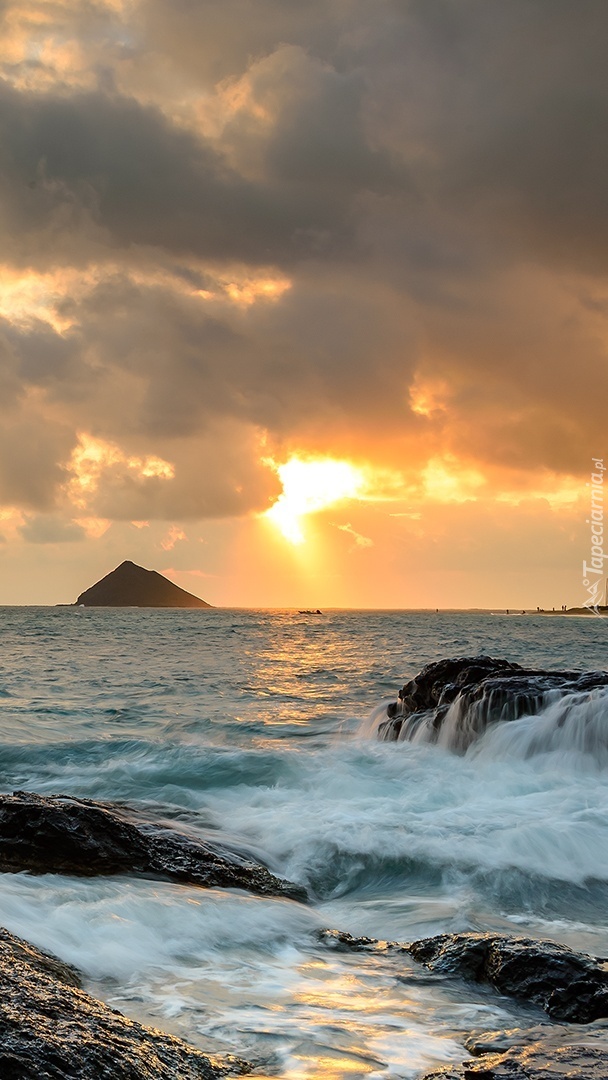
(258, 730)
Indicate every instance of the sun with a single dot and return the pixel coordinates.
(309, 485)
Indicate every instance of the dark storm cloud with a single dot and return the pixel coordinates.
(489, 111)
(35, 356)
(217, 474)
(44, 356)
(90, 159)
(34, 443)
(505, 106)
(499, 109)
(169, 367)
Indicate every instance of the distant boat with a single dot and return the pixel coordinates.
(310, 612)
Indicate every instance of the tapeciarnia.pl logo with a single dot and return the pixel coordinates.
(593, 571)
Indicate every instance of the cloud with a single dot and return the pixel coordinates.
(32, 450)
(51, 529)
(90, 170)
(282, 228)
(173, 536)
(360, 540)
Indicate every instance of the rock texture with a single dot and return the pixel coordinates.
(130, 585)
(488, 690)
(58, 834)
(539, 1053)
(571, 987)
(567, 985)
(52, 1030)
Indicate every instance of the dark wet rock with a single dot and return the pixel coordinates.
(59, 834)
(569, 986)
(487, 690)
(130, 585)
(540, 1053)
(341, 941)
(532, 1063)
(498, 1042)
(52, 1030)
(15, 949)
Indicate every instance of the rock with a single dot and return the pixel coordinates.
(536, 1054)
(535, 1062)
(52, 1030)
(57, 834)
(568, 985)
(341, 941)
(15, 948)
(485, 690)
(130, 585)
(571, 986)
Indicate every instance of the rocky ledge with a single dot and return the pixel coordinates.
(50, 1029)
(485, 689)
(568, 985)
(57, 834)
(539, 1053)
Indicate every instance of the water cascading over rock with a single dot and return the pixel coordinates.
(454, 702)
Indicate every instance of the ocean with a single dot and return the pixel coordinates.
(257, 730)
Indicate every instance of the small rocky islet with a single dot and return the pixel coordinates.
(130, 585)
(51, 1029)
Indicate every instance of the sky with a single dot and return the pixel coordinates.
(303, 302)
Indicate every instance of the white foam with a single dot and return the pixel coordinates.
(572, 730)
(233, 973)
(118, 928)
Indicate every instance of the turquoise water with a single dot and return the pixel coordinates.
(258, 729)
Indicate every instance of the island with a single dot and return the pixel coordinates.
(130, 585)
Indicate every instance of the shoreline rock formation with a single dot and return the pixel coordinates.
(57, 834)
(539, 1053)
(455, 700)
(130, 585)
(569, 986)
(51, 1029)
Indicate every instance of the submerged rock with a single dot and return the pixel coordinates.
(539, 1053)
(48, 834)
(568, 985)
(130, 585)
(454, 701)
(342, 941)
(50, 1029)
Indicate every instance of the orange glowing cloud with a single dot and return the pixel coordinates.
(92, 457)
